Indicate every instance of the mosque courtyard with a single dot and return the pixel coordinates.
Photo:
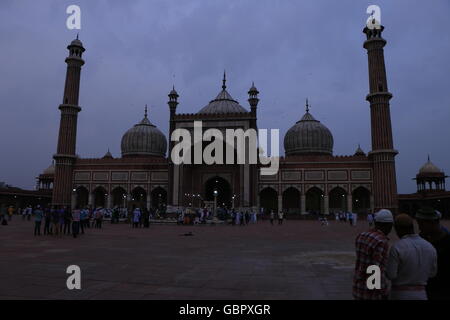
(298, 260)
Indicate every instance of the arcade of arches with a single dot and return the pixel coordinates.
(292, 201)
(118, 197)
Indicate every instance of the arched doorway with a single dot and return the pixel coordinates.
(314, 200)
(361, 200)
(100, 195)
(119, 197)
(337, 200)
(223, 191)
(268, 200)
(159, 198)
(82, 197)
(291, 200)
(138, 198)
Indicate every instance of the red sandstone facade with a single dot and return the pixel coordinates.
(308, 181)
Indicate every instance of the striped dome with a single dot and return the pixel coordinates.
(144, 139)
(308, 136)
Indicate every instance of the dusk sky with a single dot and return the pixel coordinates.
(136, 51)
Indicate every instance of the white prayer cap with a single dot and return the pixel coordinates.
(385, 216)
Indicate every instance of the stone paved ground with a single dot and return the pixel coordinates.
(299, 260)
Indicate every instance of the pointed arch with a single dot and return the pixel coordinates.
(268, 199)
(337, 200)
(361, 200)
(100, 194)
(291, 200)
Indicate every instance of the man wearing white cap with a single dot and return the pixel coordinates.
(372, 248)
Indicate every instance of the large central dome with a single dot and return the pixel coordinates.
(144, 139)
(223, 103)
(308, 136)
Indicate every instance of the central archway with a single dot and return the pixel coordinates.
(159, 198)
(223, 189)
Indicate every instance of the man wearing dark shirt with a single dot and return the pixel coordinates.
(438, 287)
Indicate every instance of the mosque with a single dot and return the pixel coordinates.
(310, 177)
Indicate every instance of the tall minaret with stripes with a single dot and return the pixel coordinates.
(383, 152)
(65, 155)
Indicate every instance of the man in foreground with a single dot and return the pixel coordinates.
(372, 248)
(438, 288)
(412, 261)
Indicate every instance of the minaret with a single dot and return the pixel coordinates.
(173, 103)
(253, 98)
(383, 152)
(65, 156)
(253, 101)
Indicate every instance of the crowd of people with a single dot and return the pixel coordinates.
(59, 221)
(203, 215)
(350, 217)
(416, 267)
(63, 221)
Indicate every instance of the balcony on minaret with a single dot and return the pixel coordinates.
(253, 97)
(173, 101)
(373, 33)
(76, 50)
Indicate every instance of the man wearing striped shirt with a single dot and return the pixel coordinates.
(372, 249)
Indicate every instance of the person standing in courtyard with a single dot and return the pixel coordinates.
(136, 217)
(350, 218)
(354, 218)
(55, 221)
(247, 217)
(253, 214)
(47, 220)
(3, 215)
(242, 217)
(238, 215)
(38, 215)
(61, 214)
(280, 217)
(233, 217)
(83, 219)
(146, 217)
(370, 219)
(272, 216)
(10, 212)
(76, 219)
(412, 261)
(372, 248)
(100, 216)
(438, 287)
(29, 212)
(67, 221)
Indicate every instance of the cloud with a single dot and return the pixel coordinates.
(292, 50)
